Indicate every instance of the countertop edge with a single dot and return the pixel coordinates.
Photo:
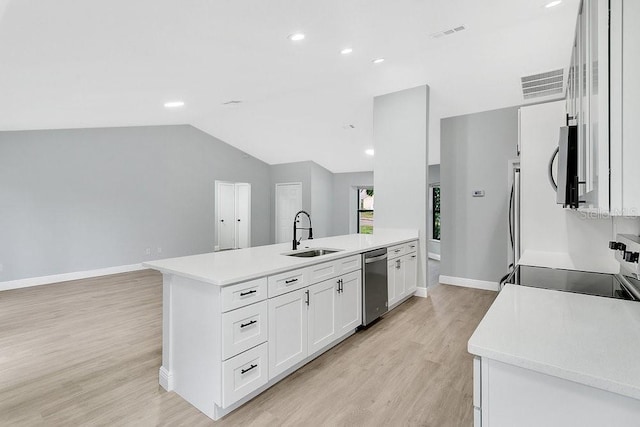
(302, 264)
(555, 371)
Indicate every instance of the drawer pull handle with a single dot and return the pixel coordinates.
(413, 256)
(291, 281)
(397, 250)
(244, 371)
(252, 291)
(244, 325)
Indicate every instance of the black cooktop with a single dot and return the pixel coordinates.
(582, 282)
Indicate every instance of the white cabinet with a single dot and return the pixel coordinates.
(402, 273)
(395, 281)
(508, 395)
(223, 344)
(603, 95)
(243, 374)
(349, 311)
(410, 272)
(625, 107)
(287, 331)
(322, 314)
(243, 328)
(308, 320)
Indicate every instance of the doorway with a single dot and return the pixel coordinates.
(288, 203)
(232, 215)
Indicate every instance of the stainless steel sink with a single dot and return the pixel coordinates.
(309, 253)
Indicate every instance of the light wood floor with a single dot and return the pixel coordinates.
(88, 352)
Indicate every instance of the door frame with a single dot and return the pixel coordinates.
(275, 202)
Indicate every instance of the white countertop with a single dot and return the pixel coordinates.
(587, 339)
(227, 267)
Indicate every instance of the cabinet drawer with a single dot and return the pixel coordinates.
(349, 264)
(396, 251)
(288, 281)
(241, 294)
(411, 247)
(243, 374)
(323, 271)
(244, 328)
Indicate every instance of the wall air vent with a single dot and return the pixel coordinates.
(448, 32)
(543, 84)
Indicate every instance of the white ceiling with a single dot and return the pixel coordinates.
(100, 63)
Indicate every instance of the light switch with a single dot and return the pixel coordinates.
(477, 193)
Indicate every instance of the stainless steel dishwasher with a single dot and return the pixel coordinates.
(374, 285)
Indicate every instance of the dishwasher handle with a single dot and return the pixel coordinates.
(375, 258)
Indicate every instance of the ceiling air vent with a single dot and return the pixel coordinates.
(543, 84)
(448, 32)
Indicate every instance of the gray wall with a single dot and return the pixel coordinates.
(345, 200)
(433, 246)
(475, 149)
(400, 134)
(321, 200)
(76, 200)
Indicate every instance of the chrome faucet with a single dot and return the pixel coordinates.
(296, 242)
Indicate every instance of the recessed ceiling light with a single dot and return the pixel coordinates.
(378, 60)
(296, 37)
(553, 4)
(174, 104)
(369, 152)
(346, 51)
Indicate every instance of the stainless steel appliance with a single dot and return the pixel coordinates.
(568, 181)
(581, 282)
(374, 285)
(624, 285)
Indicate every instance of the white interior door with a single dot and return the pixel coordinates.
(243, 215)
(288, 203)
(225, 215)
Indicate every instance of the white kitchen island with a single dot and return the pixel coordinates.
(237, 322)
(552, 358)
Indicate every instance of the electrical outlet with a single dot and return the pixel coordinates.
(147, 251)
(159, 250)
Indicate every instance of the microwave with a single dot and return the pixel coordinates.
(567, 183)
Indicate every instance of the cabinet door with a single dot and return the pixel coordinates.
(322, 314)
(350, 303)
(287, 331)
(399, 278)
(410, 266)
(391, 283)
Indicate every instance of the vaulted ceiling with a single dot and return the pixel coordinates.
(102, 63)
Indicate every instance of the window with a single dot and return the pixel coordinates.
(435, 202)
(365, 210)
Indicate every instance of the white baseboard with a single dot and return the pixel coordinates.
(434, 256)
(65, 277)
(469, 283)
(165, 379)
(421, 292)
